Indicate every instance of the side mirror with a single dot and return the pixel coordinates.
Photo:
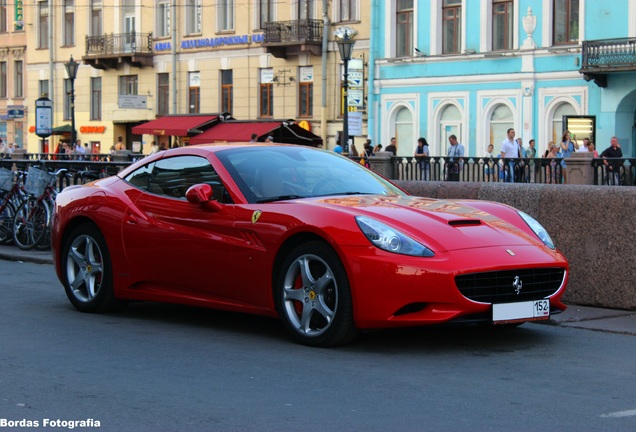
(201, 194)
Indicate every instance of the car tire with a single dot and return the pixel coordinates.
(313, 297)
(87, 270)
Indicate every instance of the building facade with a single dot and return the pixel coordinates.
(477, 68)
(143, 59)
(13, 94)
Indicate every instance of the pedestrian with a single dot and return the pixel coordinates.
(154, 148)
(509, 151)
(338, 147)
(422, 157)
(253, 138)
(454, 159)
(392, 147)
(531, 154)
(489, 163)
(613, 166)
(120, 144)
(269, 139)
(567, 147)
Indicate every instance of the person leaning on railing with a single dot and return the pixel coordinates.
(613, 165)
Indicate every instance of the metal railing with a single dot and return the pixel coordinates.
(609, 55)
(120, 43)
(298, 31)
(517, 170)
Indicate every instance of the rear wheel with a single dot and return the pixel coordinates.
(87, 270)
(313, 296)
(29, 223)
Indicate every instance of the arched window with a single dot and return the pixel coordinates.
(557, 120)
(404, 132)
(500, 121)
(450, 124)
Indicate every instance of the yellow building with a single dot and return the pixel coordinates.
(140, 60)
(13, 95)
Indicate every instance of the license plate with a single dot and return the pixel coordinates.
(521, 311)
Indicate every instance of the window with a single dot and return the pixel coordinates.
(226, 91)
(172, 177)
(500, 121)
(502, 26)
(67, 99)
(225, 14)
(193, 16)
(163, 18)
(194, 92)
(564, 109)
(163, 93)
(306, 91)
(404, 28)
(306, 9)
(43, 88)
(43, 24)
(18, 79)
(3, 80)
(266, 106)
(128, 85)
(96, 98)
(265, 12)
(96, 18)
(349, 10)
(69, 22)
(451, 26)
(566, 22)
(3, 16)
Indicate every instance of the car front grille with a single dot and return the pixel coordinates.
(511, 285)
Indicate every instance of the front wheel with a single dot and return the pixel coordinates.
(87, 270)
(313, 296)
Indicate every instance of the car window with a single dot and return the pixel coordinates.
(173, 176)
(272, 173)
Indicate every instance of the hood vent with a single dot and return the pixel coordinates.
(464, 222)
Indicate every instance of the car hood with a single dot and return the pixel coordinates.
(440, 224)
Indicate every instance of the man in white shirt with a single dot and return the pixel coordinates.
(454, 162)
(585, 146)
(510, 151)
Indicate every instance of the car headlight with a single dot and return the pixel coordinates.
(391, 240)
(538, 229)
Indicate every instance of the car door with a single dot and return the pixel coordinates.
(173, 244)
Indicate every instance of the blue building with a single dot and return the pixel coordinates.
(475, 68)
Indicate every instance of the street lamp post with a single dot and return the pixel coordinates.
(344, 39)
(71, 70)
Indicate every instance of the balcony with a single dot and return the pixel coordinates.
(601, 57)
(284, 38)
(108, 51)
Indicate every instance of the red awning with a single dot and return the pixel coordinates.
(234, 132)
(175, 125)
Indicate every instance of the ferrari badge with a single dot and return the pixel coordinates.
(256, 215)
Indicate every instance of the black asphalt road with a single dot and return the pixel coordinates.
(157, 367)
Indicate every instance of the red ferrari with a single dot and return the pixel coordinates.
(302, 234)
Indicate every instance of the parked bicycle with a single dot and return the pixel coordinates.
(32, 220)
(12, 194)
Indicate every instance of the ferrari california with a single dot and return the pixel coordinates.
(302, 234)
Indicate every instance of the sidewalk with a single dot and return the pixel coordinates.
(583, 317)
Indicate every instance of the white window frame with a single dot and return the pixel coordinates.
(390, 25)
(225, 15)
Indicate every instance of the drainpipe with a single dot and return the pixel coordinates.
(370, 82)
(52, 67)
(325, 45)
(173, 23)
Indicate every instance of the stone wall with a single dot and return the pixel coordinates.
(593, 226)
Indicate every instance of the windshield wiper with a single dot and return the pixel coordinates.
(278, 198)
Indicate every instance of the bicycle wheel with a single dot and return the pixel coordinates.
(45, 240)
(29, 224)
(6, 223)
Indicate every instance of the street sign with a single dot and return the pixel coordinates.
(43, 117)
(355, 98)
(355, 123)
(355, 78)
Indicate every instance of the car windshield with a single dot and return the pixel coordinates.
(277, 173)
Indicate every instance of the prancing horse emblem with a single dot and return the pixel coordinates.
(517, 284)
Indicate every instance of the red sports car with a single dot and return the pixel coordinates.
(303, 234)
